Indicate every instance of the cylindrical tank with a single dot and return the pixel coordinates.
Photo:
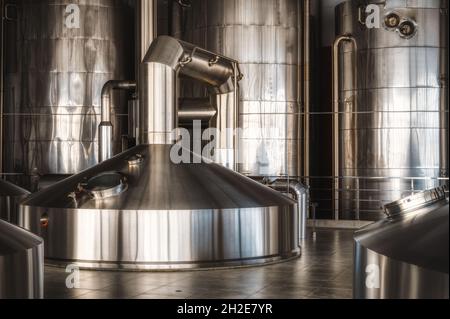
(141, 211)
(393, 103)
(10, 197)
(21, 263)
(263, 35)
(58, 56)
(406, 255)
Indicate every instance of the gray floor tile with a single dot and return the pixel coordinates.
(323, 271)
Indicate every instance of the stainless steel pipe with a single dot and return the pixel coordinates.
(298, 191)
(301, 195)
(306, 46)
(2, 34)
(192, 109)
(167, 60)
(106, 126)
(336, 103)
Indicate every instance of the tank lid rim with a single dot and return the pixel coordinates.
(416, 201)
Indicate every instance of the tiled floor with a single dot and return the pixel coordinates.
(323, 271)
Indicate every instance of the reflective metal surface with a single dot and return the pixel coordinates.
(425, 198)
(300, 194)
(323, 272)
(10, 197)
(405, 255)
(170, 217)
(393, 105)
(263, 35)
(106, 128)
(200, 109)
(21, 263)
(54, 72)
(167, 60)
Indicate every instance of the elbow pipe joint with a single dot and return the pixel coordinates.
(300, 193)
(106, 126)
(218, 72)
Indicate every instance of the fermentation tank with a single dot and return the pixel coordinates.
(406, 255)
(58, 55)
(264, 36)
(21, 263)
(10, 197)
(391, 103)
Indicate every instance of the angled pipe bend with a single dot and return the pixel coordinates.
(301, 194)
(299, 191)
(106, 126)
(166, 61)
(336, 102)
(212, 69)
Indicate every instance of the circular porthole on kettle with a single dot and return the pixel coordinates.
(105, 185)
(392, 21)
(407, 29)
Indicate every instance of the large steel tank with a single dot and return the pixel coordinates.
(58, 56)
(21, 263)
(406, 255)
(391, 120)
(10, 197)
(264, 36)
(140, 211)
(149, 209)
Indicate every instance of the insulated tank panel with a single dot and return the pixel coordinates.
(263, 35)
(393, 126)
(58, 55)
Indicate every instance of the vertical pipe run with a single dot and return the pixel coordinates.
(301, 195)
(444, 108)
(106, 126)
(306, 88)
(2, 35)
(168, 59)
(146, 30)
(226, 122)
(146, 27)
(158, 99)
(336, 102)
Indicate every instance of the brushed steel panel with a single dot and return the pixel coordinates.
(407, 253)
(263, 36)
(192, 216)
(391, 114)
(54, 80)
